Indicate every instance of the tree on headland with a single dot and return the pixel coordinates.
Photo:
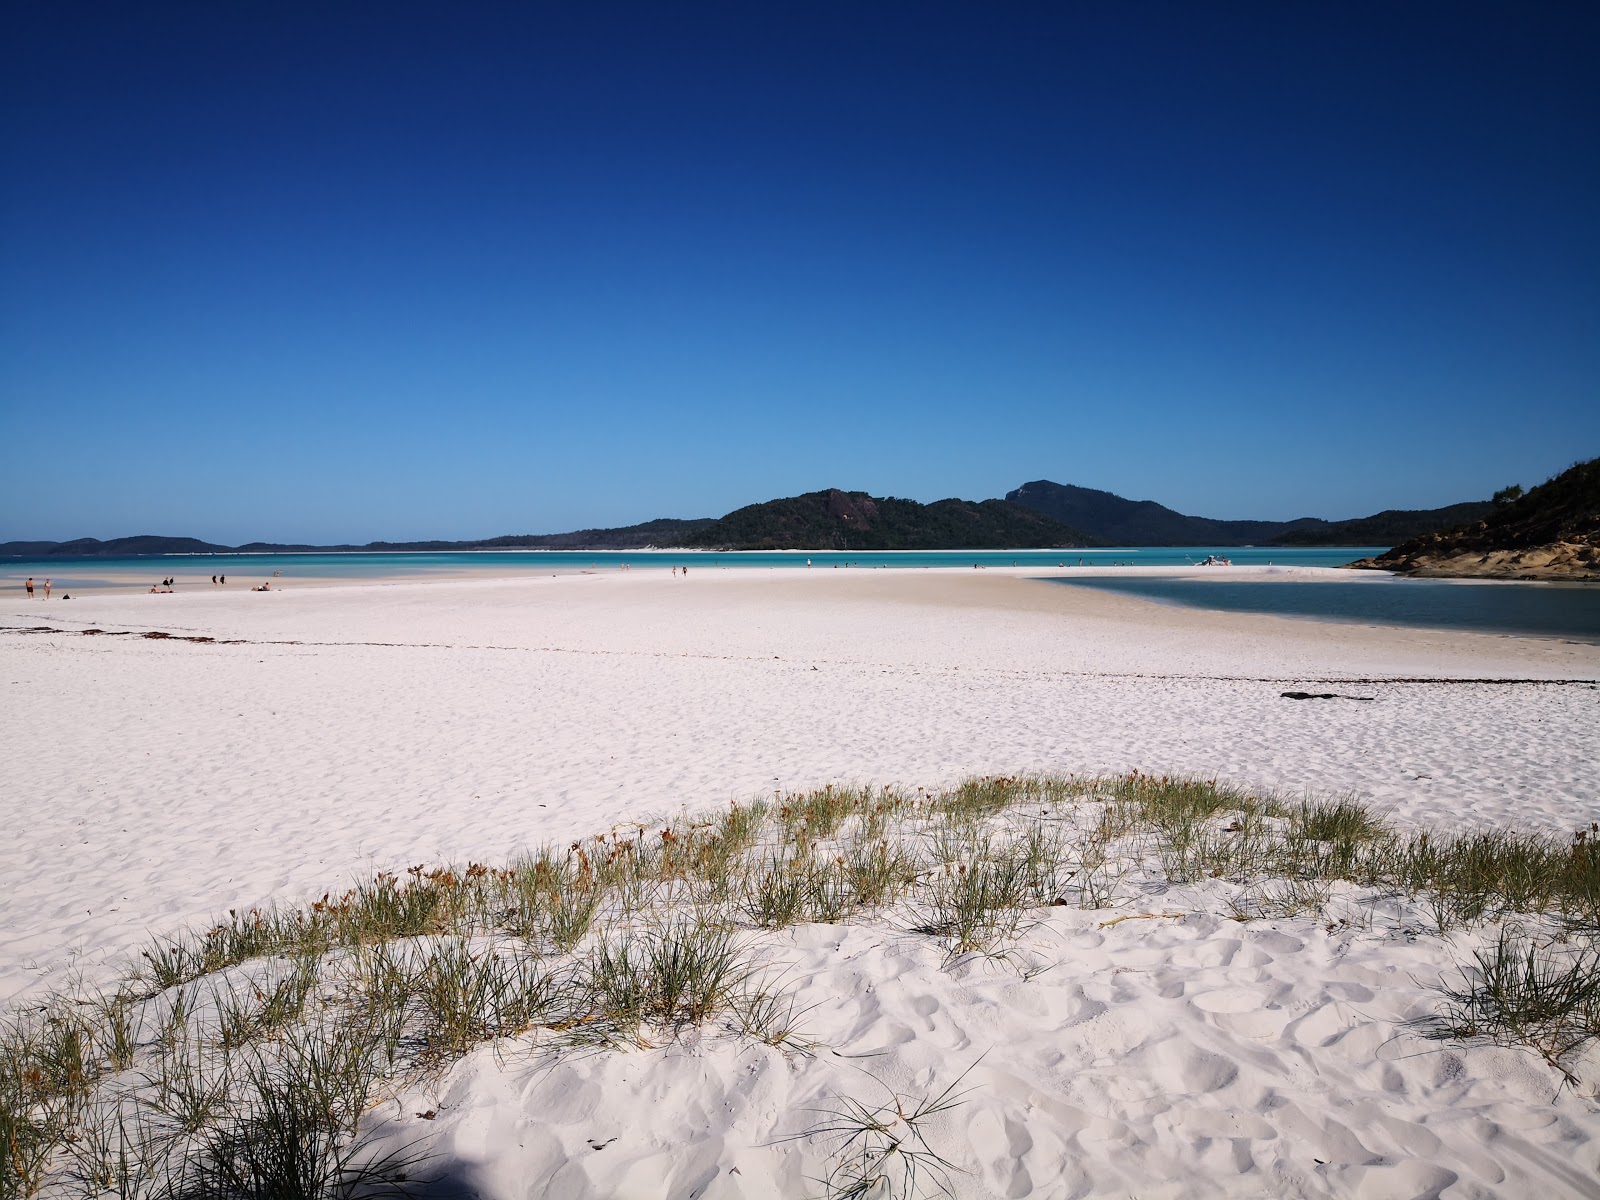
(1507, 494)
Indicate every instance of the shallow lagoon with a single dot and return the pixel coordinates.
(1566, 610)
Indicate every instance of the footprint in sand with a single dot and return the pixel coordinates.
(1323, 1026)
(1228, 1000)
(1206, 1072)
(1000, 1145)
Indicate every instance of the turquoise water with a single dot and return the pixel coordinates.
(1566, 610)
(94, 572)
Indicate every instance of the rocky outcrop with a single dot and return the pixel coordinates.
(1552, 532)
(1558, 560)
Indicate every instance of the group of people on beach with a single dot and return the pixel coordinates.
(219, 580)
(29, 586)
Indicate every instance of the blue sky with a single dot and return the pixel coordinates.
(395, 270)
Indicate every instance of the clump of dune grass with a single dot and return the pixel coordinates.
(1527, 991)
(676, 974)
(873, 871)
(1492, 875)
(47, 1073)
(887, 1150)
(468, 994)
(292, 1129)
(978, 893)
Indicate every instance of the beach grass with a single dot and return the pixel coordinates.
(239, 1057)
(888, 1149)
(1524, 990)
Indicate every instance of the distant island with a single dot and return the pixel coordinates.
(1037, 515)
(1550, 532)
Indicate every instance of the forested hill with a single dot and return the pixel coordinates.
(1550, 532)
(1390, 526)
(124, 547)
(839, 520)
(1117, 521)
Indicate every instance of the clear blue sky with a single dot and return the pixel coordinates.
(391, 270)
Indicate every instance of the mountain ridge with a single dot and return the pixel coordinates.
(1040, 513)
(834, 519)
(1118, 521)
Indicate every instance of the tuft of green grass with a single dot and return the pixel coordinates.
(553, 902)
(47, 1073)
(189, 1088)
(740, 827)
(876, 872)
(1170, 801)
(975, 800)
(887, 1150)
(677, 974)
(1522, 991)
(120, 1022)
(776, 892)
(802, 818)
(293, 1131)
(768, 1015)
(975, 899)
(1326, 839)
(469, 994)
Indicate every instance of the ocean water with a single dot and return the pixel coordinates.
(1564, 610)
(101, 572)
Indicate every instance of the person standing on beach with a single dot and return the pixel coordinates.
(224, 581)
(47, 587)
(29, 586)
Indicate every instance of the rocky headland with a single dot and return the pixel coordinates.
(1551, 532)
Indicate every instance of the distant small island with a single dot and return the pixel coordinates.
(1551, 532)
(1037, 515)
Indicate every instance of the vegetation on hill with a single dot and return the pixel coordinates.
(1117, 521)
(1387, 528)
(114, 548)
(838, 520)
(1549, 532)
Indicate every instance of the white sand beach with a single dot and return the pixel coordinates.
(327, 732)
